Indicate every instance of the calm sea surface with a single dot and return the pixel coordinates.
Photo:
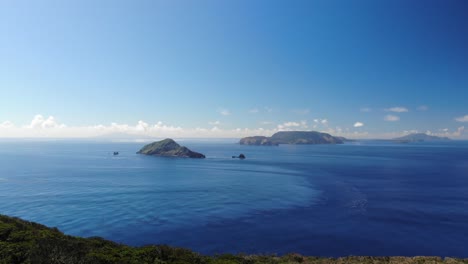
(360, 198)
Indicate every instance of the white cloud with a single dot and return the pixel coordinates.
(459, 131)
(423, 108)
(462, 118)
(224, 112)
(291, 124)
(407, 132)
(51, 123)
(214, 123)
(160, 127)
(397, 109)
(142, 126)
(254, 111)
(282, 128)
(319, 121)
(358, 124)
(365, 109)
(391, 118)
(41, 127)
(6, 124)
(39, 122)
(338, 131)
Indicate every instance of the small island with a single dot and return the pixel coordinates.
(293, 137)
(241, 156)
(169, 148)
(419, 137)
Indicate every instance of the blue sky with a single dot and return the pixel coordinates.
(393, 66)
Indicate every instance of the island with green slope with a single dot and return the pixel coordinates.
(169, 148)
(419, 137)
(293, 137)
(28, 242)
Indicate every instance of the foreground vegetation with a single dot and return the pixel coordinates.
(27, 242)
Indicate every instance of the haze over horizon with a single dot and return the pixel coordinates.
(229, 69)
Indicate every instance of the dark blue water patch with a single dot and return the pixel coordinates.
(363, 198)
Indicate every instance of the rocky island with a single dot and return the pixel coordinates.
(169, 148)
(419, 137)
(241, 156)
(293, 137)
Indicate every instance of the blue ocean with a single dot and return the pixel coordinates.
(359, 198)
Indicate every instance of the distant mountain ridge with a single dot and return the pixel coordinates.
(420, 137)
(293, 137)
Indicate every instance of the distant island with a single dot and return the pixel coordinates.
(293, 137)
(419, 137)
(28, 242)
(169, 148)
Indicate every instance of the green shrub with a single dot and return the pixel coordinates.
(31, 243)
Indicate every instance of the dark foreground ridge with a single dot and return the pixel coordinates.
(27, 242)
(169, 148)
(293, 137)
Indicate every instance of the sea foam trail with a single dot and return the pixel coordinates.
(284, 199)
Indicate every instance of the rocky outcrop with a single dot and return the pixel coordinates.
(241, 156)
(169, 148)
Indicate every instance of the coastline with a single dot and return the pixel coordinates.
(28, 242)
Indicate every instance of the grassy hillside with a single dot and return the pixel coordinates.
(27, 242)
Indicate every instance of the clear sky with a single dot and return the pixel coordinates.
(211, 68)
